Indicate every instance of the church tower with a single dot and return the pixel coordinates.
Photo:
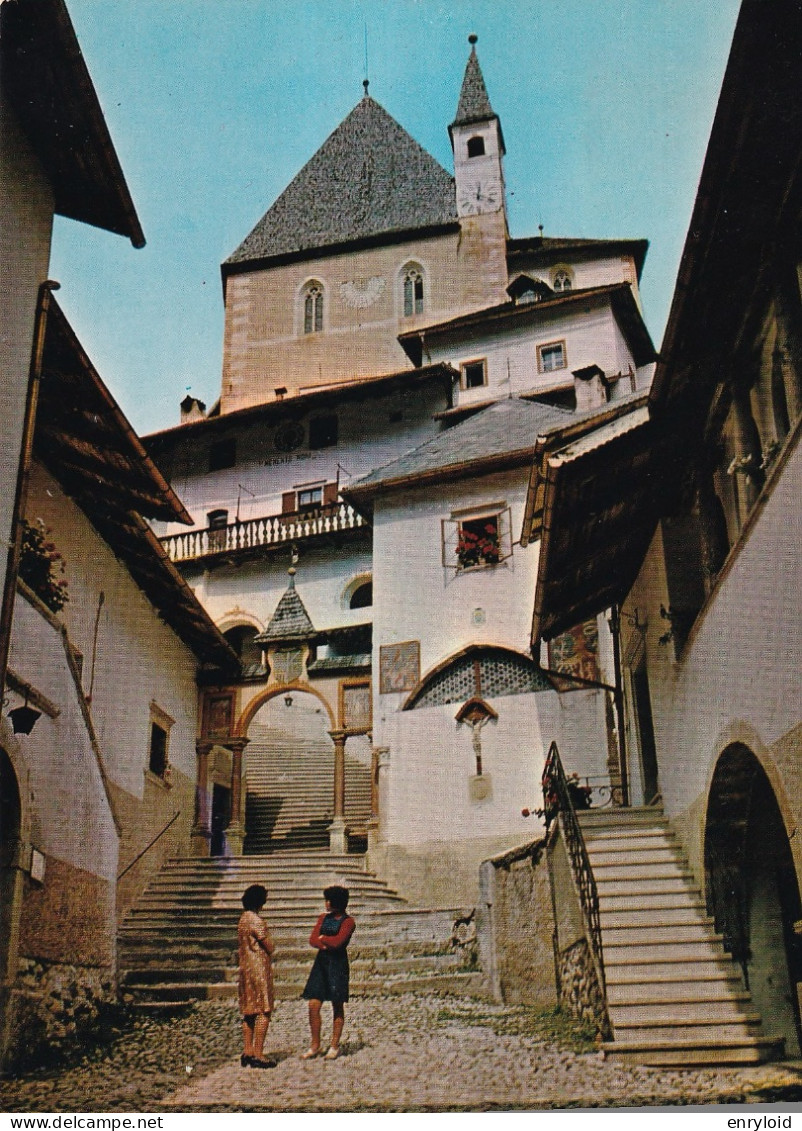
(478, 145)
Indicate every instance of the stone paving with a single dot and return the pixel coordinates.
(401, 1054)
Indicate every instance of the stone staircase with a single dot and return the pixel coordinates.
(290, 791)
(674, 995)
(178, 942)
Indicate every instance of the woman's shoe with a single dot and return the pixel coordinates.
(245, 1061)
(268, 1062)
(310, 1054)
(332, 1054)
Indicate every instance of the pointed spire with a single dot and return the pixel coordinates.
(474, 103)
(290, 621)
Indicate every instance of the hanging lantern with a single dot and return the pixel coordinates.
(23, 718)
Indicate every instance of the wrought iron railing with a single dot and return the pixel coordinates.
(255, 532)
(561, 796)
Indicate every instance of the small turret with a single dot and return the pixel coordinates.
(478, 145)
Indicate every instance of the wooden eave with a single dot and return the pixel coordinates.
(47, 83)
(599, 513)
(85, 440)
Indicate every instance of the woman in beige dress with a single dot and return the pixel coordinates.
(255, 978)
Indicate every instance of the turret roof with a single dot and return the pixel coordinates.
(474, 102)
(369, 178)
(290, 621)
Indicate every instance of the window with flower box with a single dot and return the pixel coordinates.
(477, 539)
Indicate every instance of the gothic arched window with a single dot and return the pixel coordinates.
(313, 308)
(413, 289)
(563, 280)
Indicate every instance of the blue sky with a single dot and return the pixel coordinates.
(214, 105)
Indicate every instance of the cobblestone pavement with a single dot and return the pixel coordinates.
(401, 1053)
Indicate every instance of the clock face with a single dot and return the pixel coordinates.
(480, 196)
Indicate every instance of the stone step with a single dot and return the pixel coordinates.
(662, 989)
(681, 915)
(637, 875)
(632, 816)
(617, 887)
(664, 856)
(678, 1030)
(625, 971)
(653, 934)
(744, 1050)
(660, 952)
(665, 1012)
(683, 898)
(626, 838)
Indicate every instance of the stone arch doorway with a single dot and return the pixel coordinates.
(290, 773)
(10, 875)
(753, 891)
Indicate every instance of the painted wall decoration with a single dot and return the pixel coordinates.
(576, 653)
(355, 711)
(399, 667)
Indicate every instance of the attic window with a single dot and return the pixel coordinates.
(476, 146)
(323, 432)
(474, 374)
(562, 279)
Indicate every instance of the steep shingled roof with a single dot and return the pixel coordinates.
(368, 178)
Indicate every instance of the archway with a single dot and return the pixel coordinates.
(753, 891)
(10, 875)
(289, 774)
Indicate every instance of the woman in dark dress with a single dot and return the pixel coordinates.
(328, 979)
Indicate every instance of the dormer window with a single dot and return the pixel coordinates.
(313, 308)
(476, 146)
(562, 279)
(413, 290)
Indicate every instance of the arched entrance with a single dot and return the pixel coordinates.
(752, 889)
(289, 775)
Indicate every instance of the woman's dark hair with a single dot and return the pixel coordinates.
(337, 897)
(254, 898)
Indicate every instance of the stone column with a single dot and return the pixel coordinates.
(202, 826)
(235, 833)
(376, 753)
(747, 450)
(337, 831)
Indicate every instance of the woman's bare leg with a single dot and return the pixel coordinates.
(260, 1026)
(247, 1035)
(314, 1024)
(337, 1025)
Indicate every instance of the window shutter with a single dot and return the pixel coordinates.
(329, 494)
(288, 502)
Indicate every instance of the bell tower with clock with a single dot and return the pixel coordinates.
(478, 145)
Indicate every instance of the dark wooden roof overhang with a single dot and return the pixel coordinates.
(745, 219)
(90, 449)
(49, 87)
(293, 408)
(594, 504)
(511, 315)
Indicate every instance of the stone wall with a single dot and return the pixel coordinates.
(579, 987)
(50, 1004)
(515, 927)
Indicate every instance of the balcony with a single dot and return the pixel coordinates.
(248, 539)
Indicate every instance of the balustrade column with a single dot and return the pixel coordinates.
(337, 830)
(235, 833)
(202, 826)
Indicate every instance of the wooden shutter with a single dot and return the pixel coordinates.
(288, 502)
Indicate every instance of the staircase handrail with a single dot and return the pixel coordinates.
(148, 847)
(558, 803)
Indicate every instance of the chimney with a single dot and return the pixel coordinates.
(590, 388)
(192, 409)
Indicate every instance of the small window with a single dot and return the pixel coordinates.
(217, 522)
(310, 498)
(157, 761)
(413, 291)
(362, 597)
(158, 742)
(562, 279)
(476, 541)
(551, 357)
(313, 308)
(222, 454)
(323, 432)
(476, 146)
(474, 374)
